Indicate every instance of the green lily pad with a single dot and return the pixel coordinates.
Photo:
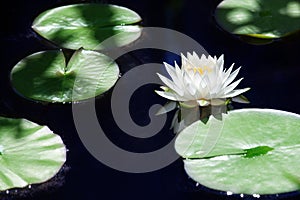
(251, 151)
(45, 76)
(262, 19)
(29, 153)
(87, 25)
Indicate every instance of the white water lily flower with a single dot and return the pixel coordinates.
(203, 80)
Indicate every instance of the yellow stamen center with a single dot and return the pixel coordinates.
(201, 70)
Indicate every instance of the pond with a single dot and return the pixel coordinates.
(271, 70)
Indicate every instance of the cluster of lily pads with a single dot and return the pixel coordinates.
(30, 153)
(248, 151)
(50, 76)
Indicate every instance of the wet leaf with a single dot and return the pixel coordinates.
(45, 76)
(87, 25)
(30, 153)
(253, 151)
(262, 19)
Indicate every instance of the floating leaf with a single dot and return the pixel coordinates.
(87, 25)
(45, 76)
(257, 152)
(263, 19)
(29, 153)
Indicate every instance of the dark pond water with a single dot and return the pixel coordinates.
(272, 71)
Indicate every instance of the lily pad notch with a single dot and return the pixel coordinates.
(45, 76)
(88, 25)
(257, 152)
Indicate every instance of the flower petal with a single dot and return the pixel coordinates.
(231, 77)
(196, 57)
(166, 89)
(240, 99)
(170, 69)
(170, 84)
(234, 93)
(169, 95)
(172, 72)
(232, 86)
(226, 74)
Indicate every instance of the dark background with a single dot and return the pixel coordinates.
(272, 71)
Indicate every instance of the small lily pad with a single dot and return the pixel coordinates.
(45, 76)
(255, 151)
(30, 153)
(87, 25)
(263, 19)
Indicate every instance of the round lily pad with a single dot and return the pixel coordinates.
(29, 153)
(252, 151)
(45, 76)
(259, 18)
(87, 25)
